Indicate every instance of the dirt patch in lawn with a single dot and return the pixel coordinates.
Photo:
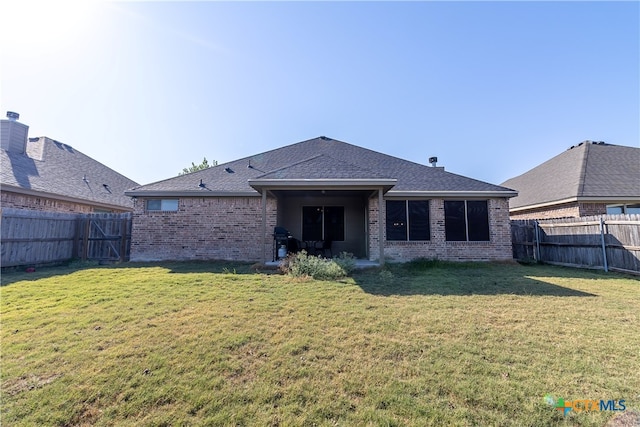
(30, 382)
(627, 419)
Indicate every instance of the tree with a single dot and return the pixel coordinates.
(194, 168)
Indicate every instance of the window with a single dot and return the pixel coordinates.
(623, 209)
(162, 205)
(615, 209)
(408, 220)
(466, 220)
(323, 223)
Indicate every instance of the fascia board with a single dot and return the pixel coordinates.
(605, 199)
(451, 194)
(194, 193)
(36, 193)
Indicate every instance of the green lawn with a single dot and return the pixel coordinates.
(215, 344)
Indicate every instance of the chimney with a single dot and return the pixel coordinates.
(13, 134)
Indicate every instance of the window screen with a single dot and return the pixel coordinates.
(466, 220)
(455, 227)
(396, 220)
(418, 219)
(478, 220)
(408, 220)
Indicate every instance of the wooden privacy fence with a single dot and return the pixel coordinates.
(603, 242)
(35, 238)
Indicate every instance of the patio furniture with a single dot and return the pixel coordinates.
(323, 247)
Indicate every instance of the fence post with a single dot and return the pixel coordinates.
(536, 237)
(604, 246)
(77, 232)
(85, 238)
(123, 239)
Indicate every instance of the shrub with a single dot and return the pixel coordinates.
(386, 277)
(302, 264)
(346, 261)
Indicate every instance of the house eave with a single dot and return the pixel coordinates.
(29, 192)
(324, 184)
(452, 194)
(189, 193)
(601, 199)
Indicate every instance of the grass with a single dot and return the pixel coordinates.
(425, 343)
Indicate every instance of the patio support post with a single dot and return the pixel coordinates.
(265, 258)
(381, 215)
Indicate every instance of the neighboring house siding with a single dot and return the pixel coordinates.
(224, 228)
(568, 210)
(498, 248)
(24, 201)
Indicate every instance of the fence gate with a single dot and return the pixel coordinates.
(103, 237)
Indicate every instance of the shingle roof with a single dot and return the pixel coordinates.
(322, 166)
(60, 170)
(320, 158)
(586, 171)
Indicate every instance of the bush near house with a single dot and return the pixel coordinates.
(302, 264)
(429, 343)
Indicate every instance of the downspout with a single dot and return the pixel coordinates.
(380, 231)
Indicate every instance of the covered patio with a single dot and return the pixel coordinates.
(331, 211)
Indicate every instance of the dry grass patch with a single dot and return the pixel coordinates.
(218, 344)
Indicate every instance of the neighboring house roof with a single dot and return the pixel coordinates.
(590, 171)
(321, 162)
(52, 169)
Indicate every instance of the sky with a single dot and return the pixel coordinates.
(490, 88)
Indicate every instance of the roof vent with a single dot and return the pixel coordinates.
(13, 116)
(433, 161)
(324, 138)
(228, 170)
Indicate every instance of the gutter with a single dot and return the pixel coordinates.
(601, 199)
(325, 184)
(444, 193)
(191, 193)
(28, 192)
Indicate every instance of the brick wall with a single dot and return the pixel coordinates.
(223, 228)
(497, 249)
(591, 209)
(230, 228)
(24, 201)
(567, 210)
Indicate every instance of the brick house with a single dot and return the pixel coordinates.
(591, 178)
(47, 175)
(372, 205)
